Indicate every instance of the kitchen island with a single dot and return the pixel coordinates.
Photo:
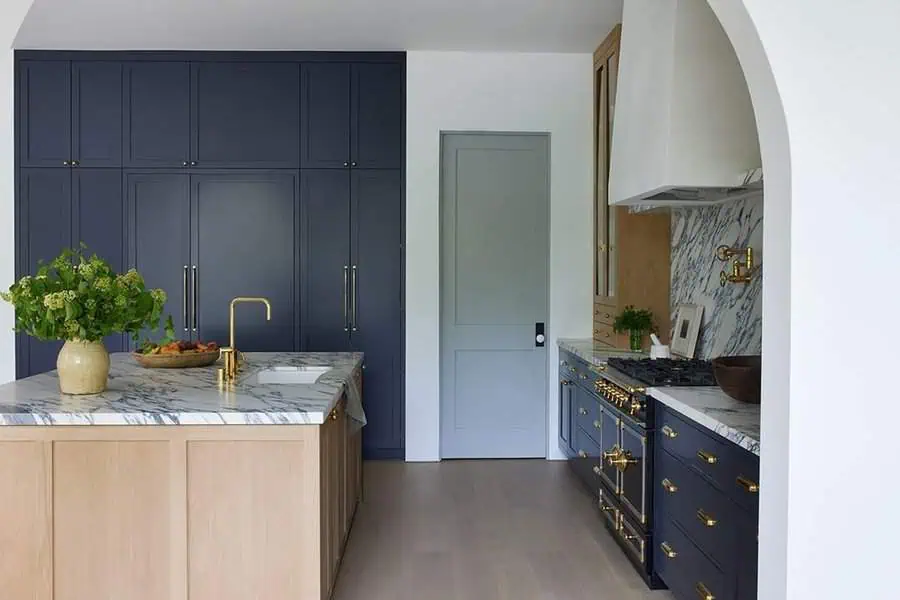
(172, 486)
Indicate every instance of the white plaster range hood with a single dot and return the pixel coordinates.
(684, 131)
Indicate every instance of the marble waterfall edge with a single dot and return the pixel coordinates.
(138, 396)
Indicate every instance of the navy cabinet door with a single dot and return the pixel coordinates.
(246, 114)
(326, 260)
(243, 244)
(97, 114)
(158, 215)
(377, 116)
(325, 131)
(45, 221)
(376, 307)
(157, 130)
(98, 209)
(45, 123)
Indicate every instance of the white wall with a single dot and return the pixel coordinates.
(494, 92)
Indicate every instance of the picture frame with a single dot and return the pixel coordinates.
(687, 330)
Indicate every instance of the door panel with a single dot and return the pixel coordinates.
(159, 238)
(244, 229)
(46, 113)
(157, 114)
(326, 116)
(634, 474)
(376, 307)
(98, 221)
(494, 269)
(609, 443)
(377, 123)
(326, 261)
(246, 114)
(97, 114)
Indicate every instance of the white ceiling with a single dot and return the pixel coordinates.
(474, 25)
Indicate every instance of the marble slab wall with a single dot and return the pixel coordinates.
(732, 315)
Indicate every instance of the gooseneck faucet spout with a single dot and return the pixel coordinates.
(230, 354)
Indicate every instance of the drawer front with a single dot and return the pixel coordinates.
(609, 508)
(633, 537)
(586, 461)
(704, 513)
(683, 567)
(587, 410)
(604, 314)
(604, 334)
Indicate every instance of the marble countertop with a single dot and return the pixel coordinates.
(714, 409)
(138, 396)
(595, 354)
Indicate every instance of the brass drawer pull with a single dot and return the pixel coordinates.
(706, 457)
(668, 550)
(669, 486)
(706, 519)
(703, 592)
(751, 486)
(669, 432)
(582, 410)
(582, 454)
(598, 424)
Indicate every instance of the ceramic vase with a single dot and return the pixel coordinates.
(83, 367)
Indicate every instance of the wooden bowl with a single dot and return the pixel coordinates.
(185, 360)
(739, 376)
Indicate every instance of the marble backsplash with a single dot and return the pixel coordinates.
(732, 315)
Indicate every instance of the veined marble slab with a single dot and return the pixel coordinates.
(138, 396)
(594, 354)
(715, 410)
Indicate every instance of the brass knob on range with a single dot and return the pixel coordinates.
(611, 453)
(624, 460)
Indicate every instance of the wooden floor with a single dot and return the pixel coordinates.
(482, 530)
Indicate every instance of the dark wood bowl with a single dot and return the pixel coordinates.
(739, 376)
(186, 360)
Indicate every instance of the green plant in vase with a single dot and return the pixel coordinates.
(637, 322)
(81, 300)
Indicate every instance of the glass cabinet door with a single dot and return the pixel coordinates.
(606, 65)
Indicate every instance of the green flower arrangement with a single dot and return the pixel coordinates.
(75, 297)
(637, 322)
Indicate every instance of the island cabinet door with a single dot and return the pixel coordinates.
(334, 488)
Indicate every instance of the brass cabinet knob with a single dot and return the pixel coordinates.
(707, 457)
(582, 411)
(706, 518)
(669, 432)
(751, 486)
(669, 486)
(582, 454)
(668, 550)
(624, 460)
(598, 425)
(703, 592)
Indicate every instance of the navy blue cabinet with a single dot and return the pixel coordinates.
(97, 114)
(157, 118)
(45, 113)
(325, 105)
(378, 106)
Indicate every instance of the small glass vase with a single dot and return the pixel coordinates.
(636, 340)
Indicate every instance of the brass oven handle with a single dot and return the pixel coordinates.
(703, 592)
(346, 298)
(354, 299)
(669, 486)
(194, 295)
(707, 457)
(669, 432)
(184, 300)
(751, 486)
(668, 550)
(706, 519)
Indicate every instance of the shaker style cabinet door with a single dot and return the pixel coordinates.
(244, 244)
(325, 106)
(97, 114)
(326, 260)
(45, 229)
(246, 114)
(377, 116)
(157, 131)
(45, 113)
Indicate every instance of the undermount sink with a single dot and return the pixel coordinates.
(290, 375)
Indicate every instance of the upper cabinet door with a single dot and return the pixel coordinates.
(157, 120)
(377, 116)
(325, 108)
(45, 128)
(246, 114)
(97, 114)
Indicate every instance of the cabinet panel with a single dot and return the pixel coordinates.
(157, 129)
(376, 307)
(326, 116)
(326, 259)
(97, 114)
(246, 114)
(377, 123)
(98, 221)
(565, 415)
(158, 236)
(45, 213)
(45, 113)
(243, 244)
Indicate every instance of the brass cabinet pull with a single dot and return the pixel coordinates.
(582, 454)
(598, 425)
(354, 299)
(706, 519)
(707, 457)
(346, 298)
(669, 432)
(669, 486)
(194, 295)
(185, 310)
(751, 486)
(582, 410)
(703, 592)
(668, 550)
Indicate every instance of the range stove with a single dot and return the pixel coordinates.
(666, 371)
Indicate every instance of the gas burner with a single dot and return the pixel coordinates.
(666, 371)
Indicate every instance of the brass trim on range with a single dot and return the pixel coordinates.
(607, 510)
(749, 485)
(632, 536)
(703, 592)
(707, 457)
(668, 550)
(706, 518)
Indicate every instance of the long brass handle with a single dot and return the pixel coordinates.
(354, 299)
(668, 550)
(669, 486)
(194, 294)
(706, 518)
(346, 298)
(184, 300)
(751, 486)
(707, 457)
(669, 432)
(703, 592)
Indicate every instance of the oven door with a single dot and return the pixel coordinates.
(607, 429)
(632, 463)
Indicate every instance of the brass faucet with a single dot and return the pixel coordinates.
(230, 354)
(741, 268)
